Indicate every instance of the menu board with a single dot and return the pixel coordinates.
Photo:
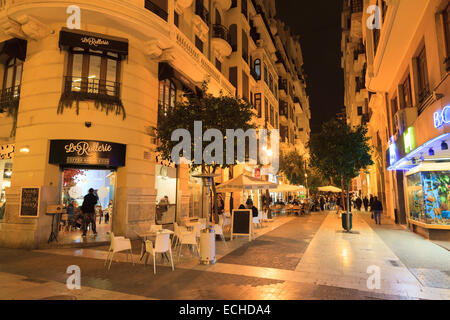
(241, 223)
(29, 202)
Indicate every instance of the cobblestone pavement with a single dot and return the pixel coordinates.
(42, 274)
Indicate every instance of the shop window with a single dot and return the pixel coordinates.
(428, 195)
(422, 75)
(5, 182)
(406, 96)
(167, 96)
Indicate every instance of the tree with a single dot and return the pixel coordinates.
(293, 166)
(221, 113)
(340, 152)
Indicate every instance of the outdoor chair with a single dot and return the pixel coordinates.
(178, 231)
(190, 238)
(162, 245)
(118, 244)
(218, 230)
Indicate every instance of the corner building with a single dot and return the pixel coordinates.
(78, 106)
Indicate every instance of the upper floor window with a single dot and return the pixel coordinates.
(167, 96)
(234, 3)
(272, 118)
(446, 21)
(266, 109)
(405, 91)
(233, 37)
(199, 44)
(93, 72)
(357, 6)
(244, 46)
(257, 68)
(13, 73)
(270, 82)
(422, 75)
(258, 104)
(266, 79)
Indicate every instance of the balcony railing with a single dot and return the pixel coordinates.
(149, 5)
(9, 97)
(202, 12)
(92, 86)
(282, 85)
(220, 31)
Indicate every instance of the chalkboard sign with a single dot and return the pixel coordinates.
(241, 223)
(29, 202)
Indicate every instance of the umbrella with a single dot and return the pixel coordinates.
(329, 189)
(288, 188)
(244, 182)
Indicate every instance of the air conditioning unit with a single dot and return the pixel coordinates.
(404, 118)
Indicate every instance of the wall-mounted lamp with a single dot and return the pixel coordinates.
(431, 152)
(24, 149)
(444, 145)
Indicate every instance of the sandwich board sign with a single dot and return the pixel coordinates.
(241, 223)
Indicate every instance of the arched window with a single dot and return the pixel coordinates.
(13, 73)
(167, 95)
(257, 68)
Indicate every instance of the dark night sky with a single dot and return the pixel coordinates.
(319, 25)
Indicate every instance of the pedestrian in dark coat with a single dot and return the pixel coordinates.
(366, 203)
(88, 208)
(377, 208)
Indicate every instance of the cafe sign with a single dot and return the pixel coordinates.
(441, 117)
(71, 38)
(87, 152)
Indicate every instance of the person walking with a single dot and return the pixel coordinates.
(322, 203)
(88, 208)
(371, 202)
(366, 203)
(377, 208)
(358, 203)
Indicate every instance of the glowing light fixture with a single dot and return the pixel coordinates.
(25, 149)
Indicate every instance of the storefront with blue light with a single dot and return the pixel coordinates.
(422, 153)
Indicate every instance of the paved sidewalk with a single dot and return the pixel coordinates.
(332, 265)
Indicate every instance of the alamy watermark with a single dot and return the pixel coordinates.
(74, 20)
(374, 280)
(74, 280)
(235, 140)
(374, 20)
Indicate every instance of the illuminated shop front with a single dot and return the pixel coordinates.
(422, 153)
(6, 165)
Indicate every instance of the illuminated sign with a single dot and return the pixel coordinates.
(441, 117)
(408, 139)
(393, 154)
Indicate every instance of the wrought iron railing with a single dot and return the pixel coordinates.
(282, 85)
(8, 97)
(93, 87)
(220, 31)
(149, 5)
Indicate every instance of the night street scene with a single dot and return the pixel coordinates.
(224, 158)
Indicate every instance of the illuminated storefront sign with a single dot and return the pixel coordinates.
(441, 117)
(393, 153)
(408, 140)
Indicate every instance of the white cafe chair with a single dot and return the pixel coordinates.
(218, 229)
(118, 244)
(190, 238)
(178, 231)
(162, 245)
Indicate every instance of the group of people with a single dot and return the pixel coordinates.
(327, 202)
(86, 215)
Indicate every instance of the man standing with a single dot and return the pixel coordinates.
(88, 208)
(366, 203)
(358, 202)
(377, 208)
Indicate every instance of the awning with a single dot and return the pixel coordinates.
(329, 189)
(166, 71)
(90, 40)
(244, 182)
(288, 188)
(14, 48)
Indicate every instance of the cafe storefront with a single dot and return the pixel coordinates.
(422, 153)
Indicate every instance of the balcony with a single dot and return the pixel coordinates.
(221, 40)
(8, 98)
(282, 85)
(105, 94)
(149, 5)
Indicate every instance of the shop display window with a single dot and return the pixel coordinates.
(5, 182)
(428, 195)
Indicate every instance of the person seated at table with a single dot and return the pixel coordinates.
(254, 210)
(242, 207)
(249, 201)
